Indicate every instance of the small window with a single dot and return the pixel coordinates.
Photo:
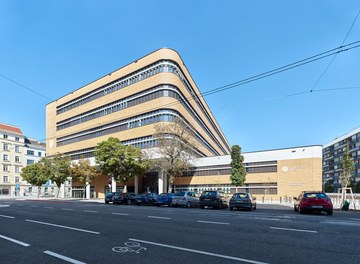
(39, 154)
(17, 139)
(6, 179)
(5, 136)
(17, 179)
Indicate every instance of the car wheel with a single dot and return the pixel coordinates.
(128, 202)
(295, 209)
(202, 206)
(188, 205)
(250, 208)
(300, 210)
(329, 212)
(220, 205)
(107, 202)
(255, 207)
(231, 208)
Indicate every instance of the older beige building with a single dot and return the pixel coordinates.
(128, 102)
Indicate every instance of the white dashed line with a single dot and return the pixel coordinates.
(295, 230)
(119, 214)
(7, 216)
(67, 209)
(15, 241)
(47, 207)
(90, 211)
(216, 223)
(63, 257)
(61, 226)
(159, 217)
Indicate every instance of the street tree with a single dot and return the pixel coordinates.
(36, 174)
(120, 161)
(60, 169)
(347, 167)
(83, 172)
(238, 172)
(176, 148)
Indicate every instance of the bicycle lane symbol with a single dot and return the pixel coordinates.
(129, 247)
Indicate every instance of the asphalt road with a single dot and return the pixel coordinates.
(55, 231)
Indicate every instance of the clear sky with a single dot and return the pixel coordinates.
(54, 47)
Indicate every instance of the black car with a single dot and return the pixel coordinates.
(215, 199)
(146, 199)
(124, 198)
(109, 196)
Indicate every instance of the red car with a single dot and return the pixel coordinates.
(313, 201)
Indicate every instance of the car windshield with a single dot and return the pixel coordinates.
(240, 195)
(209, 193)
(179, 194)
(315, 195)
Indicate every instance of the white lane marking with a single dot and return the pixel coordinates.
(7, 216)
(216, 223)
(199, 252)
(90, 211)
(67, 209)
(295, 230)
(20, 199)
(15, 241)
(266, 218)
(33, 206)
(159, 217)
(63, 257)
(61, 226)
(119, 214)
(48, 207)
(4, 205)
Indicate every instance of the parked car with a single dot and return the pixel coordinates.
(215, 199)
(164, 199)
(146, 198)
(187, 199)
(313, 201)
(124, 198)
(242, 200)
(109, 196)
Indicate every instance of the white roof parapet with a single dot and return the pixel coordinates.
(267, 155)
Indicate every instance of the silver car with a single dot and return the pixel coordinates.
(187, 199)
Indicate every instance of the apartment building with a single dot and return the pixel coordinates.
(332, 154)
(16, 152)
(126, 104)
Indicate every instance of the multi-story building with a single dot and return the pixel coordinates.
(16, 152)
(128, 102)
(332, 154)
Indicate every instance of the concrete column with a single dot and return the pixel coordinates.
(160, 181)
(62, 191)
(136, 184)
(87, 190)
(165, 182)
(113, 184)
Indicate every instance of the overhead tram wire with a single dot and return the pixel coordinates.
(275, 71)
(333, 58)
(290, 66)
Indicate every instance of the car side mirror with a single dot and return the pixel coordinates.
(254, 198)
(295, 198)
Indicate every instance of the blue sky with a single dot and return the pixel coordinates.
(55, 47)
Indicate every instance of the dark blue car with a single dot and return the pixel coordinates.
(146, 199)
(164, 199)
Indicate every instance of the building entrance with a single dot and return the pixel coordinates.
(150, 183)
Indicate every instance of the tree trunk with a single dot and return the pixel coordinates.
(58, 191)
(39, 189)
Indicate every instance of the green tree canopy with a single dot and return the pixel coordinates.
(60, 169)
(83, 172)
(36, 174)
(238, 172)
(120, 161)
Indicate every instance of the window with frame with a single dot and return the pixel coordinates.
(17, 139)
(17, 148)
(29, 162)
(17, 169)
(17, 179)
(17, 159)
(30, 152)
(5, 136)
(6, 179)
(39, 154)
(5, 168)
(5, 146)
(5, 157)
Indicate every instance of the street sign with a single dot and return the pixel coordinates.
(17, 186)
